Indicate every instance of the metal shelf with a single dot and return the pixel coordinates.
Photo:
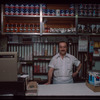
(88, 17)
(58, 16)
(88, 33)
(58, 33)
(21, 15)
(22, 33)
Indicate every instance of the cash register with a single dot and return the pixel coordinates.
(9, 83)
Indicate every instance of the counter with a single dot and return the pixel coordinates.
(72, 89)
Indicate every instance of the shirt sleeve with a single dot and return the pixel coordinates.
(52, 63)
(76, 62)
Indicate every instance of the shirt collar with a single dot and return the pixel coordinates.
(58, 55)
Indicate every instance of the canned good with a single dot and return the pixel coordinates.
(21, 6)
(36, 11)
(94, 6)
(71, 12)
(90, 13)
(66, 12)
(11, 6)
(48, 12)
(7, 5)
(7, 12)
(80, 6)
(85, 12)
(89, 6)
(36, 6)
(94, 13)
(81, 13)
(44, 11)
(32, 6)
(11, 12)
(71, 7)
(21, 11)
(57, 12)
(32, 12)
(85, 6)
(17, 12)
(53, 13)
(43, 6)
(62, 13)
(26, 6)
(17, 6)
(98, 13)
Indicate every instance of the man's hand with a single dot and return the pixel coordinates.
(47, 83)
(74, 74)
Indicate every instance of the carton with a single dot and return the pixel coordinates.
(92, 87)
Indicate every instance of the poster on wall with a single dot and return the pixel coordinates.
(83, 44)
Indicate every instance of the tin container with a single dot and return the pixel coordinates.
(71, 7)
(62, 13)
(85, 13)
(81, 13)
(57, 12)
(66, 12)
(36, 11)
(44, 11)
(43, 6)
(53, 13)
(94, 13)
(36, 6)
(90, 13)
(90, 6)
(71, 12)
(80, 6)
(48, 12)
(7, 11)
(32, 6)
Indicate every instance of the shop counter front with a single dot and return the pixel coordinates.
(72, 89)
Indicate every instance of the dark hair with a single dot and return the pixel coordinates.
(62, 42)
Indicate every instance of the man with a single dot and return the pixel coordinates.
(61, 66)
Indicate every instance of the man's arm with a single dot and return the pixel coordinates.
(50, 72)
(77, 71)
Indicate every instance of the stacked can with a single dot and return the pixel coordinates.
(71, 12)
(7, 9)
(32, 9)
(66, 12)
(26, 9)
(44, 9)
(21, 9)
(36, 12)
(53, 12)
(48, 12)
(17, 9)
(62, 13)
(11, 11)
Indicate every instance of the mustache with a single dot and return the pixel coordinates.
(62, 50)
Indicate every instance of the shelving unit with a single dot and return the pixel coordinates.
(68, 25)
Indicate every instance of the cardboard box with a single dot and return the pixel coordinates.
(92, 87)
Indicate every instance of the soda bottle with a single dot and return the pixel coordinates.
(16, 27)
(24, 28)
(79, 28)
(29, 28)
(11, 28)
(20, 28)
(33, 28)
(89, 29)
(37, 28)
(7, 27)
(95, 29)
(85, 29)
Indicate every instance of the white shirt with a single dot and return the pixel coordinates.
(63, 68)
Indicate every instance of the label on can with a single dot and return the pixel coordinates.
(80, 6)
(57, 12)
(89, 6)
(53, 12)
(66, 12)
(48, 12)
(85, 12)
(71, 7)
(94, 13)
(85, 6)
(44, 11)
(90, 13)
(62, 13)
(36, 6)
(81, 13)
(71, 12)
(43, 6)
(7, 5)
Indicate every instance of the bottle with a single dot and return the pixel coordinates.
(16, 27)
(79, 28)
(20, 28)
(7, 28)
(89, 29)
(95, 29)
(24, 28)
(29, 28)
(37, 28)
(85, 29)
(32, 28)
(11, 28)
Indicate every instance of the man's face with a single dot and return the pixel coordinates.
(62, 48)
